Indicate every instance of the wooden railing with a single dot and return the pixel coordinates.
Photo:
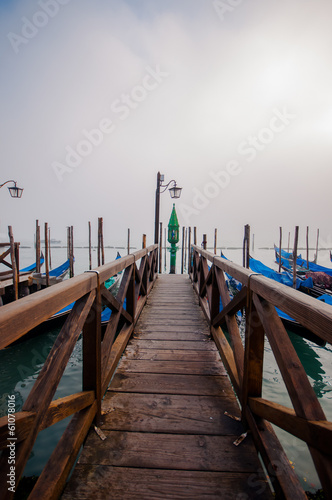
(100, 358)
(244, 363)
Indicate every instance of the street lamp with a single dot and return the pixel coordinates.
(15, 192)
(174, 191)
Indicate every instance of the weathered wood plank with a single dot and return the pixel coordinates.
(171, 335)
(173, 344)
(172, 355)
(170, 451)
(184, 368)
(170, 413)
(98, 481)
(171, 384)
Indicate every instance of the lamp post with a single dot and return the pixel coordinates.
(174, 191)
(15, 192)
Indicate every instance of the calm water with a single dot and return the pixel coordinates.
(20, 365)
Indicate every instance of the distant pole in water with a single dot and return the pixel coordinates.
(49, 247)
(296, 238)
(37, 248)
(101, 256)
(253, 242)
(204, 242)
(144, 241)
(185, 248)
(307, 242)
(14, 261)
(280, 247)
(215, 241)
(195, 235)
(246, 246)
(72, 251)
(90, 248)
(189, 250)
(47, 269)
(128, 242)
(165, 252)
(182, 250)
(316, 256)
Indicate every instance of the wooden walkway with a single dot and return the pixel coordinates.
(167, 434)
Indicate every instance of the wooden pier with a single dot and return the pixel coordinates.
(155, 410)
(167, 434)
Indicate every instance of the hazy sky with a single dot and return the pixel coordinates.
(230, 98)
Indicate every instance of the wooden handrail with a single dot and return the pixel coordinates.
(100, 358)
(259, 297)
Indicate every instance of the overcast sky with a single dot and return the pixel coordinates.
(230, 98)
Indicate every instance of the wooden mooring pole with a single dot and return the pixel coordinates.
(204, 243)
(101, 255)
(296, 238)
(215, 241)
(90, 247)
(280, 246)
(13, 259)
(70, 250)
(189, 250)
(165, 252)
(128, 242)
(307, 244)
(182, 253)
(47, 267)
(37, 247)
(246, 246)
(185, 248)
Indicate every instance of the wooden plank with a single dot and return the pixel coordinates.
(46, 384)
(168, 330)
(23, 422)
(171, 355)
(171, 384)
(64, 407)
(38, 307)
(316, 433)
(173, 344)
(298, 386)
(185, 368)
(97, 481)
(170, 413)
(227, 356)
(53, 478)
(282, 476)
(164, 335)
(170, 451)
(231, 308)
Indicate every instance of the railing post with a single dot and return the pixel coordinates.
(92, 350)
(253, 355)
(131, 295)
(189, 250)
